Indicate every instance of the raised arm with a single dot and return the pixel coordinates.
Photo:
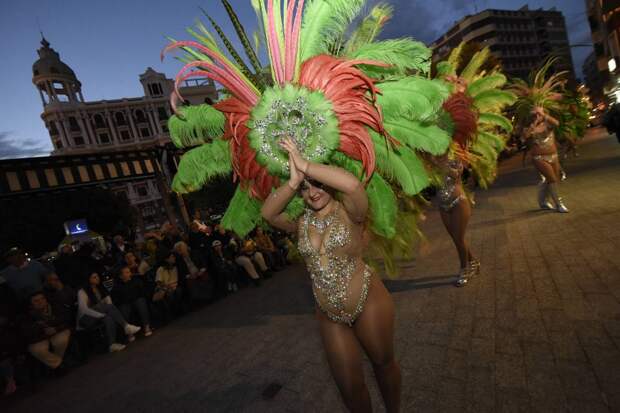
(273, 208)
(354, 198)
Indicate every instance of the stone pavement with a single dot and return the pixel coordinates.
(539, 330)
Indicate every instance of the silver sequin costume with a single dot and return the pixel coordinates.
(331, 270)
(448, 198)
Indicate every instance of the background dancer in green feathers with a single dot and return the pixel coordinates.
(331, 147)
(474, 116)
(538, 108)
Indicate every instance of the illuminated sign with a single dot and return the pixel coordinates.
(78, 226)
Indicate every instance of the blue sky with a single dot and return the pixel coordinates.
(110, 43)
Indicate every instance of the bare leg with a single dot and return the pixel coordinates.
(456, 221)
(375, 330)
(345, 362)
(247, 265)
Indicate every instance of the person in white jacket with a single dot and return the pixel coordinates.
(95, 305)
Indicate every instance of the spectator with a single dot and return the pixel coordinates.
(44, 329)
(198, 239)
(23, 276)
(129, 295)
(60, 296)
(224, 270)
(169, 285)
(10, 343)
(265, 246)
(131, 261)
(198, 221)
(118, 249)
(249, 250)
(95, 305)
(67, 266)
(192, 266)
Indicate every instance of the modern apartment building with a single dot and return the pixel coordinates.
(522, 39)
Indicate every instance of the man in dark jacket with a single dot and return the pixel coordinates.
(45, 328)
(129, 295)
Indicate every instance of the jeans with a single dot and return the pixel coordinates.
(113, 317)
(140, 307)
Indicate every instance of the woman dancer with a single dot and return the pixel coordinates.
(353, 306)
(540, 138)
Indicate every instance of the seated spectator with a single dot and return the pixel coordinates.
(95, 305)
(119, 248)
(67, 266)
(249, 250)
(265, 246)
(169, 285)
(129, 296)
(192, 266)
(198, 221)
(24, 277)
(198, 239)
(46, 331)
(224, 270)
(62, 297)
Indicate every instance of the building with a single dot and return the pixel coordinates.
(604, 19)
(80, 127)
(522, 39)
(594, 79)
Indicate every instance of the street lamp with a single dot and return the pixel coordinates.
(611, 65)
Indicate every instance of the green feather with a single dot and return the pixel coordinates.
(369, 28)
(413, 97)
(445, 69)
(494, 100)
(382, 207)
(197, 124)
(324, 22)
(242, 214)
(494, 81)
(425, 137)
(295, 208)
(391, 166)
(402, 54)
(497, 120)
(199, 165)
(474, 65)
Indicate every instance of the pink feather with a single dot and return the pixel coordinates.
(295, 36)
(274, 45)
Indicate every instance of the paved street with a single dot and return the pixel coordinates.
(539, 330)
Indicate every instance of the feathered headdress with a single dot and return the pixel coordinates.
(347, 102)
(476, 110)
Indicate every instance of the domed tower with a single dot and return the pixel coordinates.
(55, 81)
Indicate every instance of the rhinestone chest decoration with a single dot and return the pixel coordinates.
(330, 272)
(454, 169)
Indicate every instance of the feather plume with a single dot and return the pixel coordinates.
(201, 164)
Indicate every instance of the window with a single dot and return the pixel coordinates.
(161, 113)
(125, 135)
(57, 85)
(99, 122)
(63, 98)
(120, 118)
(78, 141)
(73, 124)
(141, 191)
(104, 138)
(144, 132)
(140, 116)
(122, 194)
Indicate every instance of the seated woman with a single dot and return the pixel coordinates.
(95, 305)
(170, 286)
(265, 246)
(231, 248)
(250, 250)
(224, 270)
(129, 295)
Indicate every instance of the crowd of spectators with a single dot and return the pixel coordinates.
(56, 313)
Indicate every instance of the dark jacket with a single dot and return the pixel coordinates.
(127, 292)
(33, 325)
(64, 301)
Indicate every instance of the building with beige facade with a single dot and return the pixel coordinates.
(80, 127)
(521, 39)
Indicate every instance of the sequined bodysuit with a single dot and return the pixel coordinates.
(340, 278)
(544, 141)
(448, 195)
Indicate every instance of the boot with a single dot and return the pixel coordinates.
(553, 191)
(542, 197)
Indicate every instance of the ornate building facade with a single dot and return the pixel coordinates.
(77, 126)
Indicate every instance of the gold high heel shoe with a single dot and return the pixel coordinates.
(474, 264)
(464, 276)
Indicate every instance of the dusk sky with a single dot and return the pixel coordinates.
(109, 44)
